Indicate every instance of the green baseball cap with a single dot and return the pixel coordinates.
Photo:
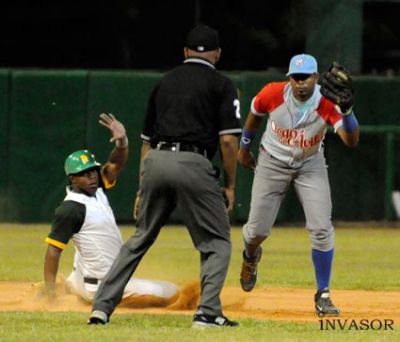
(79, 161)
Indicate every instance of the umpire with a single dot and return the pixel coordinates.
(191, 111)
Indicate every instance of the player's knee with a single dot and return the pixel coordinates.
(168, 290)
(323, 239)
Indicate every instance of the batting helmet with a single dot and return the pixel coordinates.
(80, 161)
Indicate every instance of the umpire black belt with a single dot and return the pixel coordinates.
(92, 281)
(180, 147)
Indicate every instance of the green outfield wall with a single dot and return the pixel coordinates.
(45, 115)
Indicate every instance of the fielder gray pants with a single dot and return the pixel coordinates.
(272, 180)
(172, 178)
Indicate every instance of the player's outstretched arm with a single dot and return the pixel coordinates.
(51, 262)
(119, 154)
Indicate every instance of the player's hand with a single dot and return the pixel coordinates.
(246, 159)
(47, 293)
(337, 86)
(116, 127)
(229, 195)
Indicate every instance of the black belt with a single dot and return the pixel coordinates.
(92, 281)
(180, 147)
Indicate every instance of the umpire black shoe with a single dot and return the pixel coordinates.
(201, 320)
(248, 274)
(323, 304)
(98, 317)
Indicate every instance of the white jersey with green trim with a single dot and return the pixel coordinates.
(99, 240)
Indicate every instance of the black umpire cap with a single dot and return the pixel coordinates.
(202, 38)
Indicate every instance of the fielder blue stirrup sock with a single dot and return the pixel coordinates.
(322, 266)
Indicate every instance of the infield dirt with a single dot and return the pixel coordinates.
(286, 304)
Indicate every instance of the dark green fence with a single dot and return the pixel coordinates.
(45, 115)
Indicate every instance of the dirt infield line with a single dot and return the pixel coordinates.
(286, 304)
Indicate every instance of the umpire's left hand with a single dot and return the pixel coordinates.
(229, 195)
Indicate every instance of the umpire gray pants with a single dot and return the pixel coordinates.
(271, 182)
(172, 178)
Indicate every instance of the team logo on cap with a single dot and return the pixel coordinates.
(299, 61)
(200, 48)
(84, 158)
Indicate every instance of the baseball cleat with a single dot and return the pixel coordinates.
(324, 306)
(98, 317)
(201, 320)
(248, 274)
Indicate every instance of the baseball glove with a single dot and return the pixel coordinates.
(337, 86)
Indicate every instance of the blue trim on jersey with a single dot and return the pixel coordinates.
(322, 266)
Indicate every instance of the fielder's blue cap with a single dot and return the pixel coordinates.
(302, 64)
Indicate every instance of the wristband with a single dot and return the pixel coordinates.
(122, 143)
(246, 139)
(350, 123)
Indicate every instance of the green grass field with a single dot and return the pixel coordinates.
(366, 258)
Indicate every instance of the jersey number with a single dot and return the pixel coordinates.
(236, 103)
